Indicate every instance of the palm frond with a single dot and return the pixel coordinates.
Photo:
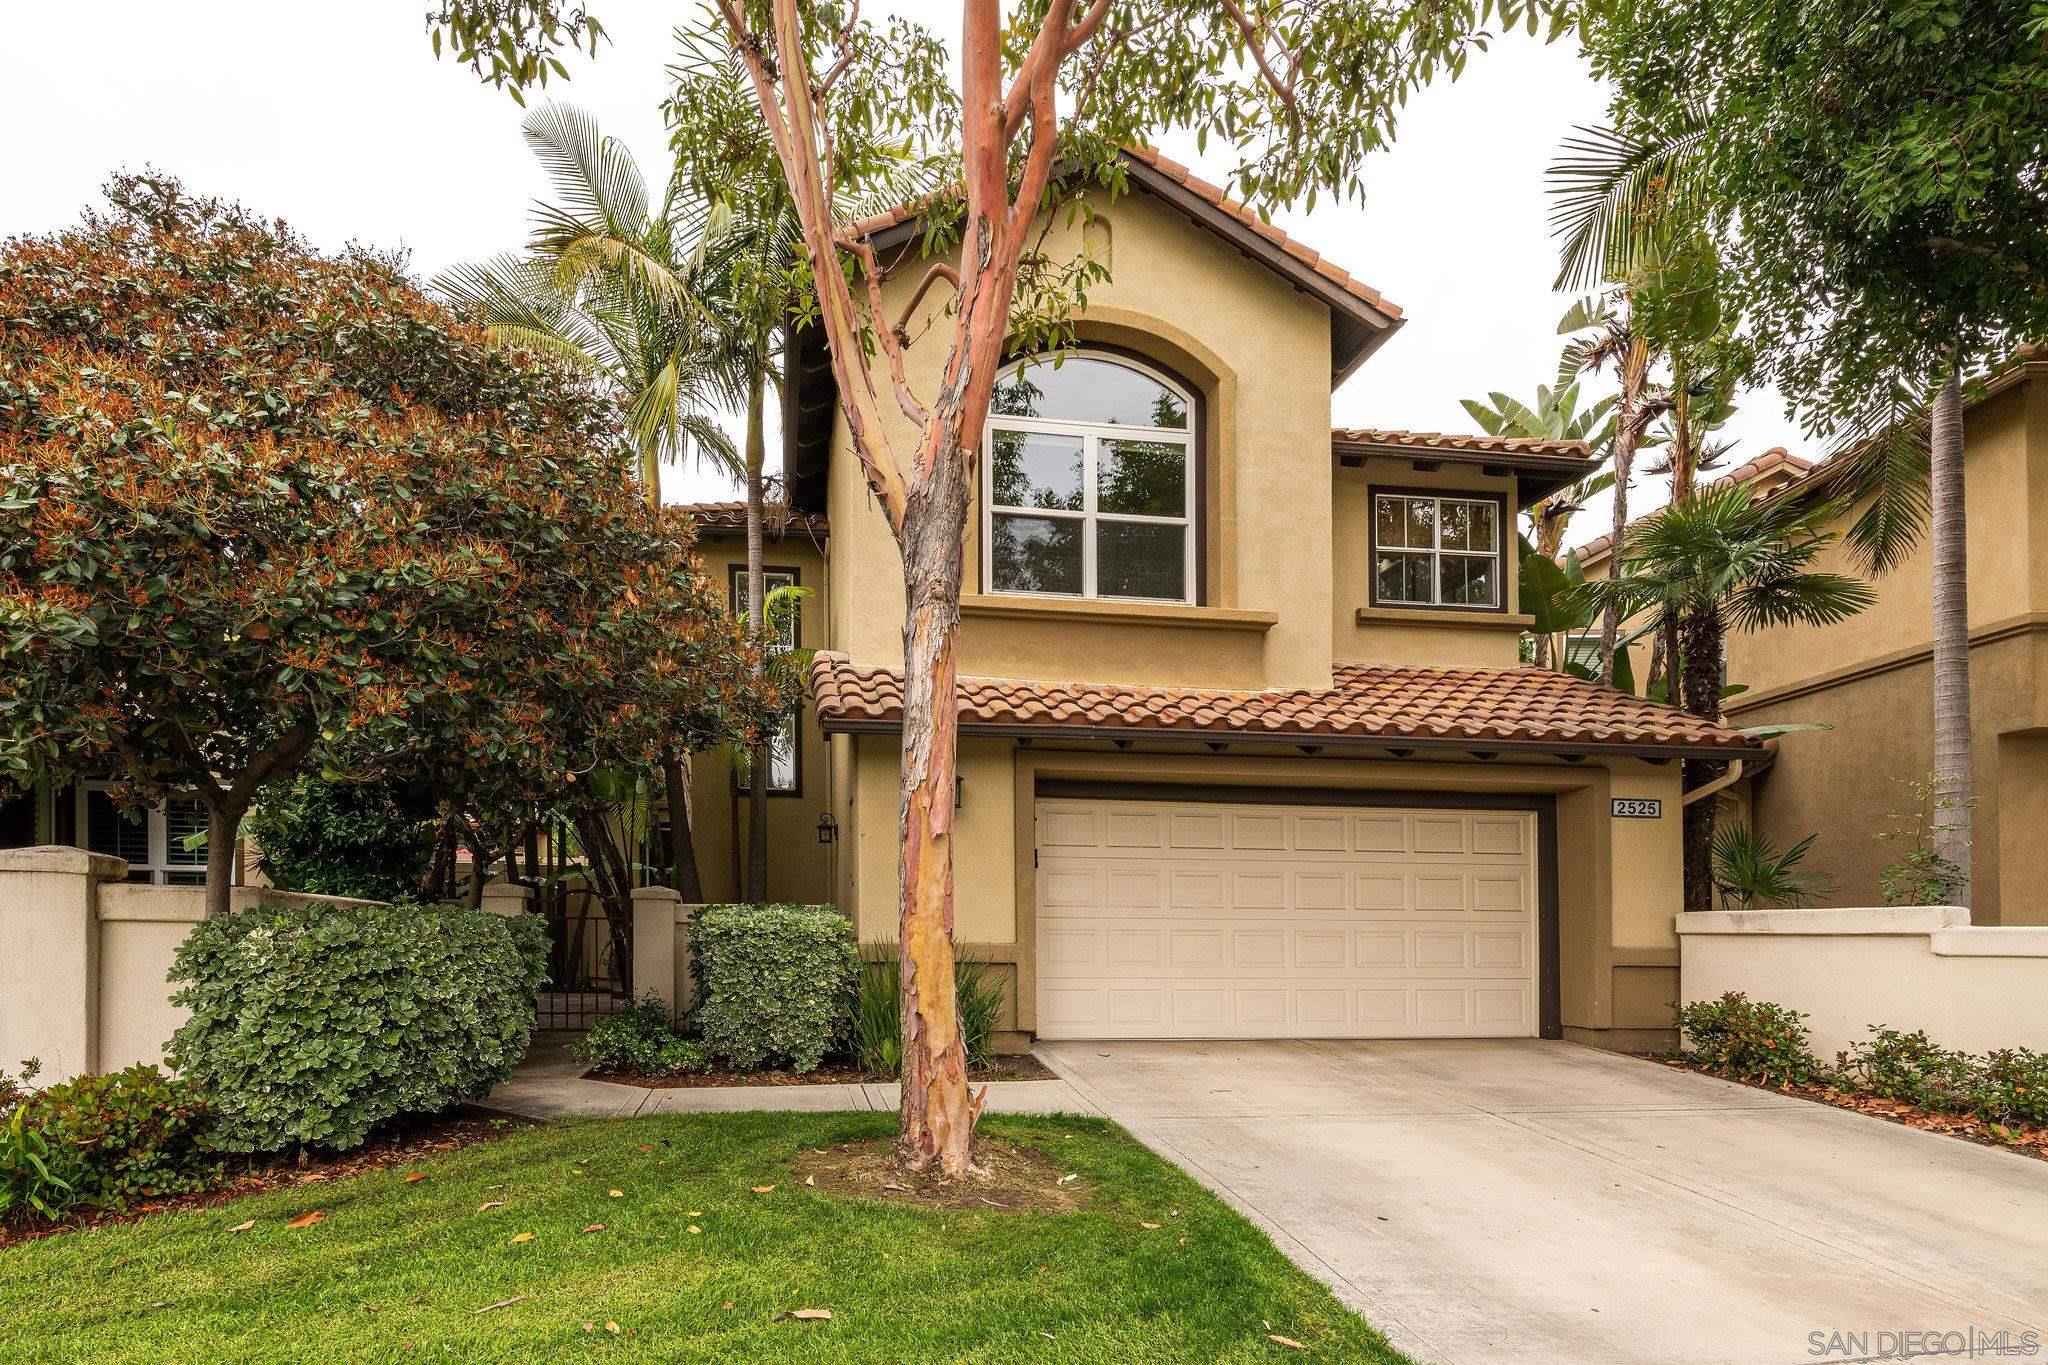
(595, 177)
(1613, 195)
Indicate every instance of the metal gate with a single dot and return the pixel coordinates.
(590, 959)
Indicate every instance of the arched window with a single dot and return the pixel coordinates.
(1090, 489)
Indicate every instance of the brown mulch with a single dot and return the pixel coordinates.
(2026, 1139)
(402, 1142)
(1022, 1067)
(1008, 1177)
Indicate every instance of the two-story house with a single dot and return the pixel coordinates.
(1246, 750)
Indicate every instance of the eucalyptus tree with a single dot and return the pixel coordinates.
(1872, 174)
(1721, 562)
(1296, 93)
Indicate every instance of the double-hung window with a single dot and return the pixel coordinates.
(1436, 550)
(1090, 490)
(783, 777)
(154, 841)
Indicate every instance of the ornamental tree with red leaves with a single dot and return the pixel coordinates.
(264, 509)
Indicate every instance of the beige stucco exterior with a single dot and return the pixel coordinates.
(1871, 679)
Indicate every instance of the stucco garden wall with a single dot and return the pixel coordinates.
(1970, 987)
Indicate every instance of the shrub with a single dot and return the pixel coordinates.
(312, 1024)
(2006, 1086)
(772, 982)
(1922, 876)
(371, 840)
(2015, 1086)
(1749, 1039)
(878, 1004)
(641, 1040)
(106, 1142)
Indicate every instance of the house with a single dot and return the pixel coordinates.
(1245, 747)
(1871, 678)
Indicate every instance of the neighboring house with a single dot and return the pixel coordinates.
(1871, 679)
(1245, 750)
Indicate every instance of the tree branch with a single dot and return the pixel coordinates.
(1255, 40)
(939, 271)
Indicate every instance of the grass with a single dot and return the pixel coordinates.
(397, 1270)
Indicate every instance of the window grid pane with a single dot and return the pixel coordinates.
(1436, 551)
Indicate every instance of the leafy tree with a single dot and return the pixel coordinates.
(367, 839)
(1300, 91)
(1702, 568)
(1872, 174)
(262, 508)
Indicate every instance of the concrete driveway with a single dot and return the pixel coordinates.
(1528, 1201)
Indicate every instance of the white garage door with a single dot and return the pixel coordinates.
(1197, 920)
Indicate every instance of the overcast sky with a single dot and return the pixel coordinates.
(338, 118)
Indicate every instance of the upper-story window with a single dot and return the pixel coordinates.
(1436, 550)
(784, 776)
(1091, 482)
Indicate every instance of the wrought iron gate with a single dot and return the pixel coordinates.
(590, 959)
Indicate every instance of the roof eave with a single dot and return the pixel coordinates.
(1536, 476)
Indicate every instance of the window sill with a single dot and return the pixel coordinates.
(1017, 607)
(1475, 619)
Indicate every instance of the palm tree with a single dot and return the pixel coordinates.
(1618, 198)
(1723, 562)
(610, 285)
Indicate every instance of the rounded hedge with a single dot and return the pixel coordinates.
(313, 1023)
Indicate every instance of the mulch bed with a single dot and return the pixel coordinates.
(1008, 1178)
(1022, 1067)
(2026, 1139)
(404, 1141)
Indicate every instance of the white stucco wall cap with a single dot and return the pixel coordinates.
(1899, 920)
(61, 858)
(1992, 941)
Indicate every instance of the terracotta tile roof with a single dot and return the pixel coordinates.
(1386, 705)
(1438, 440)
(1772, 460)
(1216, 198)
(722, 518)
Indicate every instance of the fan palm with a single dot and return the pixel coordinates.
(1719, 563)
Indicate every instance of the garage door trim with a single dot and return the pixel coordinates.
(1549, 1012)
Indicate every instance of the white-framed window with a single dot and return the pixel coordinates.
(153, 841)
(1090, 483)
(1436, 550)
(784, 776)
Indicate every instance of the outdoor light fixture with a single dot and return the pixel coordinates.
(959, 790)
(828, 828)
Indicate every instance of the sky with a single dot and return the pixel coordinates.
(339, 119)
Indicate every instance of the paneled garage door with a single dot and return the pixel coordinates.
(1196, 920)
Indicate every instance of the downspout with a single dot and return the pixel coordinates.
(1724, 781)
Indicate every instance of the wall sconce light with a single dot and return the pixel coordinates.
(828, 829)
(959, 790)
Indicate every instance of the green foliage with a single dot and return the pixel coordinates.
(1922, 876)
(1751, 1040)
(1749, 870)
(772, 982)
(2003, 1087)
(641, 1040)
(878, 1005)
(313, 1024)
(105, 1142)
(367, 840)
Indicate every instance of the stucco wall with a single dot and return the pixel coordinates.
(1972, 988)
(1258, 353)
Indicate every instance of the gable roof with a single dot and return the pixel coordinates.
(1367, 705)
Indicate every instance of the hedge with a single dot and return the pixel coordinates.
(773, 982)
(311, 1024)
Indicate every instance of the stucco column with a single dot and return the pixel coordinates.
(659, 943)
(49, 957)
(506, 898)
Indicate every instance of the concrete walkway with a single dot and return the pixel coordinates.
(1531, 1202)
(550, 1084)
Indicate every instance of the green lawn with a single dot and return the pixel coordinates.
(396, 1271)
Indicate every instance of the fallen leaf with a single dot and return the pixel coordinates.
(1076, 1175)
(494, 1204)
(694, 1213)
(612, 1327)
(595, 1227)
(243, 1227)
(306, 1220)
(590, 1327)
(695, 1230)
(728, 1305)
(501, 1303)
(1289, 1342)
(519, 1237)
(416, 1177)
(617, 1194)
(1149, 1227)
(812, 1314)
(764, 1189)
(810, 1180)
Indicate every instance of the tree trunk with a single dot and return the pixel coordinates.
(682, 847)
(938, 1114)
(1624, 458)
(1697, 667)
(223, 823)
(1954, 776)
(757, 609)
